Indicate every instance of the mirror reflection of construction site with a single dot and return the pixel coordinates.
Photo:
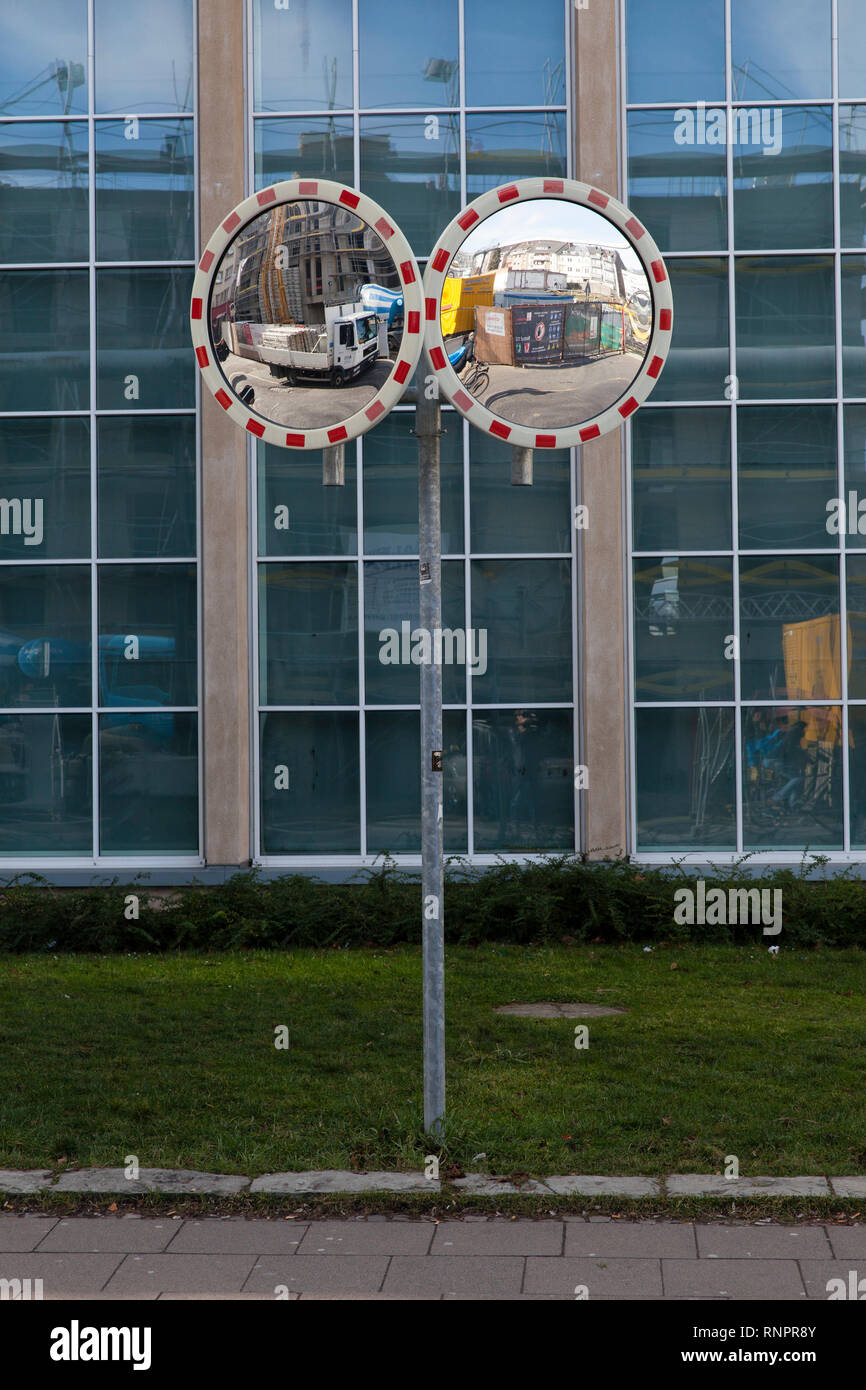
(306, 314)
(547, 332)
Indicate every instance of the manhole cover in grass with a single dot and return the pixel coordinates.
(557, 1010)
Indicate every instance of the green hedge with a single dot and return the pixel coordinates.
(557, 899)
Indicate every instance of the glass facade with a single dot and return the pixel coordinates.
(422, 125)
(745, 157)
(99, 737)
(743, 149)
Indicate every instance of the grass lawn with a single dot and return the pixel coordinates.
(172, 1058)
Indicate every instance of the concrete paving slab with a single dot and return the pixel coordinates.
(181, 1273)
(318, 1274)
(150, 1180)
(103, 1297)
(235, 1235)
(592, 1185)
(498, 1237)
(363, 1238)
(480, 1185)
(334, 1180)
(849, 1187)
(61, 1274)
(848, 1242)
(24, 1232)
(24, 1179)
(472, 1276)
(714, 1185)
(125, 1235)
(631, 1238)
(220, 1297)
(364, 1297)
(750, 1279)
(610, 1275)
(763, 1242)
(817, 1275)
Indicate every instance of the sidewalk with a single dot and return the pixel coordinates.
(401, 1257)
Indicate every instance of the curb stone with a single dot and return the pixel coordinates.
(177, 1181)
(173, 1180)
(714, 1185)
(24, 1179)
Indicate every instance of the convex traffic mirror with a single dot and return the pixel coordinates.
(306, 314)
(548, 312)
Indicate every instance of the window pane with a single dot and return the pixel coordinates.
(308, 634)
(297, 515)
(787, 473)
(142, 340)
(681, 479)
(854, 325)
(302, 55)
(685, 779)
(46, 784)
(501, 147)
(857, 774)
(681, 58)
(45, 635)
(523, 780)
(699, 363)
(683, 615)
(856, 588)
(45, 472)
(852, 524)
(792, 777)
(783, 177)
(304, 148)
(147, 635)
(414, 176)
(148, 784)
(144, 191)
(852, 42)
(43, 170)
(34, 79)
(391, 607)
(780, 49)
(45, 363)
(512, 46)
(396, 65)
(789, 628)
(394, 782)
(506, 518)
(310, 784)
(144, 55)
(391, 486)
(785, 327)
(147, 494)
(677, 189)
(521, 609)
(852, 174)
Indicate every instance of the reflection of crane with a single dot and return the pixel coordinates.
(447, 71)
(552, 80)
(67, 75)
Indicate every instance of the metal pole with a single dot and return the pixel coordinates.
(334, 466)
(432, 880)
(521, 467)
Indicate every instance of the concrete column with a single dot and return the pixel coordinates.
(224, 493)
(602, 611)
